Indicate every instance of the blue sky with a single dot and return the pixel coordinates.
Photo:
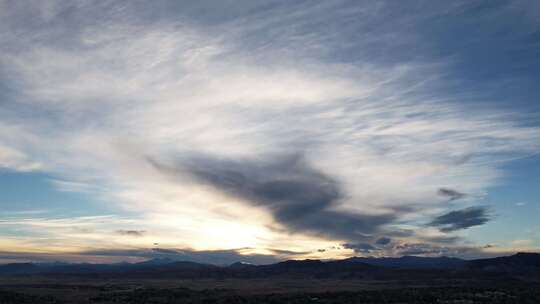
(266, 130)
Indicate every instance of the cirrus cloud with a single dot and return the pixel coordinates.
(95, 90)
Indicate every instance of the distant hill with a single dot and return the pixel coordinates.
(520, 262)
(19, 268)
(412, 262)
(155, 262)
(311, 268)
(357, 267)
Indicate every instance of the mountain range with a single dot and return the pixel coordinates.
(520, 263)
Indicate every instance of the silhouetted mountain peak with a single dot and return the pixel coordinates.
(18, 268)
(189, 265)
(527, 255)
(241, 265)
(156, 261)
(519, 262)
(300, 263)
(522, 262)
(409, 261)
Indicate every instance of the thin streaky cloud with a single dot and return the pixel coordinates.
(182, 123)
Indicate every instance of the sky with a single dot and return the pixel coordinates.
(258, 131)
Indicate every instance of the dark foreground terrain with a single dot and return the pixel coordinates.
(121, 294)
(514, 279)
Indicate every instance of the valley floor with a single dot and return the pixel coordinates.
(35, 290)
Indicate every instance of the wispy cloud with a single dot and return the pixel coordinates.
(522, 242)
(71, 186)
(134, 233)
(95, 90)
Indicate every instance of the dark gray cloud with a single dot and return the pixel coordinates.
(451, 194)
(360, 247)
(464, 252)
(287, 252)
(299, 196)
(461, 219)
(134, 233)
(420, 249)
(383, 241)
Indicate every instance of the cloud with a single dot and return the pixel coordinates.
(442, 239)
(522, 242)
(283, 252)
(383, 241)
(360, 247)
(71, 186)
(300, 197)
(30, 230)
(420, 249)
(451, 194)
(461, 219)
(459, 251)
(16, 160)
(134, 233)
(379, 119)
